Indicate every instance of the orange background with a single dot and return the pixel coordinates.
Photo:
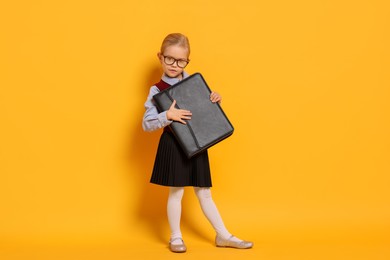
(305, 83)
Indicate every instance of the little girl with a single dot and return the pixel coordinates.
(171, 166)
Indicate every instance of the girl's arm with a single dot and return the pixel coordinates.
(152, 119)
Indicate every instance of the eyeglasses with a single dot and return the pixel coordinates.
(180, 63)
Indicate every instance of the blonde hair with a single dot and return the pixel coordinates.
(175, 39)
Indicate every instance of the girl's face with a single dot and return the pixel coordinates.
(176, 54)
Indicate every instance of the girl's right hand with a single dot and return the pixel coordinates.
(178, 114)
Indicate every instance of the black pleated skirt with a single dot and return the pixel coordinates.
(173, 168)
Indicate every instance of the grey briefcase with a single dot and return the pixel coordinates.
(208, 124)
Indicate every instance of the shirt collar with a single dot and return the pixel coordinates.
(172, 81)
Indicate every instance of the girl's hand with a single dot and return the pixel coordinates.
(215, 97)
(178, 114)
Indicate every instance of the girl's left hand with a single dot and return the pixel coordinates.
(215, 97)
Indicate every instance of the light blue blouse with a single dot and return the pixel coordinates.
(152, 119)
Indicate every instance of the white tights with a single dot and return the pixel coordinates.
(208, 207)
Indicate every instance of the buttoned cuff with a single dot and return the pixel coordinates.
(162, 118)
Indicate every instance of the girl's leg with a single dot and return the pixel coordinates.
(211, 212)
(174, 213)
(223, 238)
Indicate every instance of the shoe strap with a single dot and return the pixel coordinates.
(176, 239)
